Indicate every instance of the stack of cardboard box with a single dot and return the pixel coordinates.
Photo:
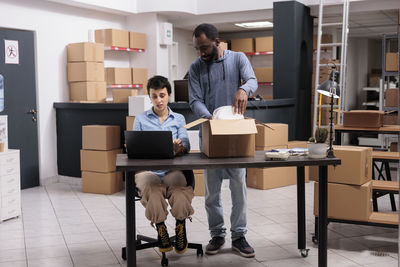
(123, 79)
(349, 185)
(100, 145)
(86, 72)
(273, 136)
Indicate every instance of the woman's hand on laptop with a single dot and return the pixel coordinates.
(179, 149)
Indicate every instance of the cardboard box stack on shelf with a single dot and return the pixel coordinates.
(349, 185)
(86, 72)
(273, 136)
(392, 97)
(124, 82)
(245, 45)
(392, 62)
(363, 118)
(264, 44)
(100, 145)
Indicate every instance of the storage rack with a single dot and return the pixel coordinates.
(127, 49)
(386, 74)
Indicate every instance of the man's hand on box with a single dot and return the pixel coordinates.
(240, 101)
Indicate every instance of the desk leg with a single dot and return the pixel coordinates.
(322, 216)
(130, 219)
(301, 212)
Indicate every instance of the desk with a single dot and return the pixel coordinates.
(386, 129)
(200, 161)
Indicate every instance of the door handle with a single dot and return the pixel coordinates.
(31, 111)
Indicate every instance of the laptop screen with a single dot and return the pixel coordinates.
(149, 144)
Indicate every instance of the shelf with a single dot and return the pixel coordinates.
(259, 53)
(374, 89)
(116, 48)
(390, 73)
(389, 108)
(264, 83)
(124, 86)
(371, 104)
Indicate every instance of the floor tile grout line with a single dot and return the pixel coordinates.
(109, 246)
(23, 230)
(59, 225)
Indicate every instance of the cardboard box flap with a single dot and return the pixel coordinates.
(194, 123)
(233, 127)
(367, 111)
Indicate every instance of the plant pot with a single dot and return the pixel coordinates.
(317, 150)
(2, 147)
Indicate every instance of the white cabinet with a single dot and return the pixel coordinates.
(10, 185)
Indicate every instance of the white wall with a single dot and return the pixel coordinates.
(55, 26)
(357, 70)
(187, 53)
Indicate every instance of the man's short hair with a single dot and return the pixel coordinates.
(158, 82)
(209, 31)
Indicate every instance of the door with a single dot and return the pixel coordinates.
(17, 66)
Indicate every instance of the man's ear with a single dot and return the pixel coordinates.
(217, 41)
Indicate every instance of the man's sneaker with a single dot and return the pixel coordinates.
(181, 242)
(240, 245)
(164, 244)
(215, 244)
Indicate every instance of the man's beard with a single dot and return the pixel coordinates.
(212, 56)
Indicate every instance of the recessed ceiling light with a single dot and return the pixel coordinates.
(255, 24)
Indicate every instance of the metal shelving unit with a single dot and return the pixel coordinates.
(386, 74)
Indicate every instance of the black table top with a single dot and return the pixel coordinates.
(201, 161)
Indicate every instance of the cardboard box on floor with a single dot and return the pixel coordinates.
(101, 183)
(199, 182)
(112, 37)
(130, 120)
(392, 97)
(87, 91)
(139, 76)
(101, 137)
(264, 74)
(348, 202)
(363, 118)
(122, 95)
(118, 75)
(99, 161)
(356, 166)
(85, 52)
(268, 178)
(244, 45)
(392, 62)
(137, 40)
(85, 72)
(272, 134)
(227, 138)
(264, 44)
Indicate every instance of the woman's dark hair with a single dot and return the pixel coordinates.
(158, 82)
(209, 31)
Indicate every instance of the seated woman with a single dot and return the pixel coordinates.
(156, 186)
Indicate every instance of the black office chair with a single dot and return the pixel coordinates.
(153, 242)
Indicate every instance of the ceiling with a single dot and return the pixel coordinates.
(371, 24)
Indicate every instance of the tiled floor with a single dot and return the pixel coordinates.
(61, 226)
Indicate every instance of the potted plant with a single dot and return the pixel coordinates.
(316, 145)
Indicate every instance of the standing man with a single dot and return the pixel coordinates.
(215, 80)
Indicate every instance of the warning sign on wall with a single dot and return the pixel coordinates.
(11, 52)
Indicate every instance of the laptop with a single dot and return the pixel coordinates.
(149, 144)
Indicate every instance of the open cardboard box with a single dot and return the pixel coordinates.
(227, 138)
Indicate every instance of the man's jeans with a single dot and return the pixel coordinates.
(237, 184)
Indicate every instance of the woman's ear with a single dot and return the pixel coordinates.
(217, 42)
